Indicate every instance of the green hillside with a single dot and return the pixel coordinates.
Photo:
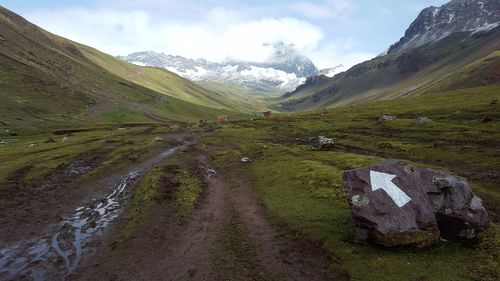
(303, 189)
(49, 81)
(437, 66)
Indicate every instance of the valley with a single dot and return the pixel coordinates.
(161, 167)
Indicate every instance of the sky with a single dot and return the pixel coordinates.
(329, 32)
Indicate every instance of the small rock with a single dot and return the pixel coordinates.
(32, 145)
(49, 140)
(486, 119)
(133, 157)
(246, 160)
(385, 118)
(422, 120)
(65, 139)
(3, 142)
(158, 139)
(321, 143)
(122, 129)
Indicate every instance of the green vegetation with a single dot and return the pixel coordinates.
(48, 82)
(303, 189)
(44, 152)
(172, 188)
(456, 62)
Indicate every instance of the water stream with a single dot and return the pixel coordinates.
(55, 255)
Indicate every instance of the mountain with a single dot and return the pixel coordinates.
(440, 55)
(284, 70)
(435, 23)
(332, 71)
(48, 81)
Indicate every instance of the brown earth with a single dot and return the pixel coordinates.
(30, 208)
(227, 237)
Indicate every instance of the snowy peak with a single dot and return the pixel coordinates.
(284, 70)
(287, 58)
(332, 71)
(435, 23)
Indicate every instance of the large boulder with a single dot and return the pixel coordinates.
(395, 204)
(321, 143)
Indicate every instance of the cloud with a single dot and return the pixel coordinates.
(219, 33)
(327, 10)
(338, 52)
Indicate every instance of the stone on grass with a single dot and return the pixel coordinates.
(422, 120)
(321, 143)
(3, 142)
(158, 139)
(65, 139)
(394, 204)
(246, 160)
(385, 118)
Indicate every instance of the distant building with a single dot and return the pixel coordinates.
(222, 119)
(267, 114)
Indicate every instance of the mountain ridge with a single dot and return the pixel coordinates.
(406, 70)
(284, 70)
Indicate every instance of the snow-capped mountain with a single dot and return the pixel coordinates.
(332, 71)
(435, 23)
(283, 71)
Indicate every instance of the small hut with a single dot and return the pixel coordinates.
(267, 114)
(222, 119)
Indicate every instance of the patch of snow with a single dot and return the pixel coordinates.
(486, 27)
(138, 63)
(451, 16)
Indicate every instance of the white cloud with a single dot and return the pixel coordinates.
(327, 10)
(338, 52)
(220, 33)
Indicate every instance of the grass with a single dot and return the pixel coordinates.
(48, 82)
(173, 188)
(303, 189)
(456, 62)
(51, 151)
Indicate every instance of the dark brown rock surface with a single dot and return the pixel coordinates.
(395, 204)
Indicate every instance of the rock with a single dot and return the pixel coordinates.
(246, 160)
(395, 204)
(486, 119)
(158, 139)
(422, 120)
(3, 142)
(65, 139)
(32, 145)
(122, 129)
(49, 140)
(133, 157)
(321, 143)
(385, 118)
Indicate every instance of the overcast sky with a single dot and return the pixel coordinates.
(330, 32)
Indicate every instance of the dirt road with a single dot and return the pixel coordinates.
(228, 237)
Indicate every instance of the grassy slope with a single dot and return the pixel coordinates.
(48, 81)
(253, 101)
(168, 83)
(304, 190)
(401, 74)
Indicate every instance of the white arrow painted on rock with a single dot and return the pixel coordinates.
(384, 181)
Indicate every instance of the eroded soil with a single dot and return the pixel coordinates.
(227, 237)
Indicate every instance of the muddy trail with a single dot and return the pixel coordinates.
(228, 237)
(57, 250)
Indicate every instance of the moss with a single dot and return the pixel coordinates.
(303, 190)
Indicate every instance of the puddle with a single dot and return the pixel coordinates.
(54, 256)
